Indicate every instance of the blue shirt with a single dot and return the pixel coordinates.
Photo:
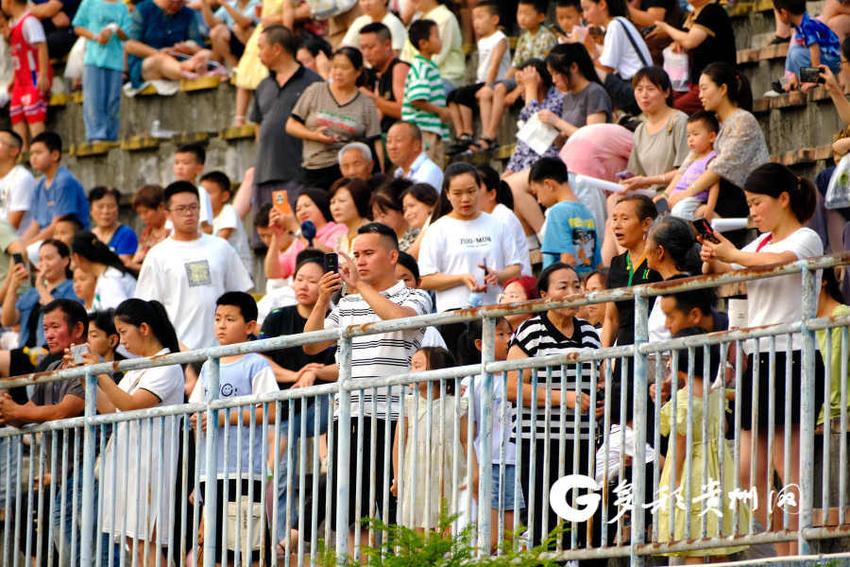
(156, 29)
(124, 241)
(95, 15)
(570, 228)
(250, 12)
(65, 196)
(29, 301)
(811, 31)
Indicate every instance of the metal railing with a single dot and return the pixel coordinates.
(607, 454)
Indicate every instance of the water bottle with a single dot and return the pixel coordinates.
(476, 299)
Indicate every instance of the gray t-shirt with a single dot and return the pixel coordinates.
(51, 394)
(578, 106)
(663, 151)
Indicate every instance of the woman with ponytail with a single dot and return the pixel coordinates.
(740, 145)
(780, 203)
(115, 283)
(140, 461)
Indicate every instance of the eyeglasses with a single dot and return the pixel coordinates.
(185, 209)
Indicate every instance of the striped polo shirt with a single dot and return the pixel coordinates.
(538, 337)
(386, 354)
(423, 82)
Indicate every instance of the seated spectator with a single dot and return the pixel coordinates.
(84, 284)
(30, 88)
(813, 43)
(315, 54)
(645, 14)
(329, 115)
(149, 206)
(226, 222)
(624, 51)
(58, 192)
(385, 79)
(448, 52)
(230, 25)
(517, 290)
(52, 281)
(103, 339)
(418, 203)
(165, 43)
(17, 185)
(375, 12)
(56, 17)
(497, 200)
(702, 133)
(66, 227)
(404, 148)
(189, 160)
(106, 25)
(569, 18)
(570, 235)
(120, 238)
(115, 283)
(288, 232)
(494, 56)
(594, 313)
(388, 209)
(534, 42)
(832, 303)
(355, 161)
(837, 16)
(349, 202)
(707, 37)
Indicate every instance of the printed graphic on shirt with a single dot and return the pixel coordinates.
(584, 240)
(198, 273)
(340, 124)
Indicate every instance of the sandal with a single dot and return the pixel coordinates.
(461, 144)
(487, 144)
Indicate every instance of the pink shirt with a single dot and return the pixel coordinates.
(328, 235)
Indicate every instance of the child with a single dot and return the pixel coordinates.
(493, 64)
(832, 304)
(504, 498)
(449, 56)
(569, 233)
(594, 313)
(424, 102)
(702, 131)
(534, 43)
(568, 16)
(84, 284)
(239, 375)
(711, 410)
(376, 11)
(812, 44)
(226, 223)
(30, 86)
(415, 449)
(104, 23)
(67, 226)
(189, 162)
(149, 206)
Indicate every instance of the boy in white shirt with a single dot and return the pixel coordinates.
(226, 221)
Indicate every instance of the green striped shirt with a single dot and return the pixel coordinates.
(424, 83)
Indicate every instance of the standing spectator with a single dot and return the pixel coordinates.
(230, 27)
(385, 82)
(56, 17)
(30, 87)
(424, 96)
(120, 238)
(404, 148)
(58, 192)
(105, 24)
(165, 43)
(418, 204)
(189, 160)
(375, 12)
(17, 185)
(388, 209)
(115, 283)
(497, 200)
(522, 288)
(328, 115)
(355, 160)
(145, 331)
(189, 270)
(149, 206)
(274, 100)
(226, 222)
(448, 54)
(349, 206)
(379, 296)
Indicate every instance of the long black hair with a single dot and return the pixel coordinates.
(494, 182)
(737, 86)
(677, 238)
(562, 57)
(137, 311)
(93, 249)
(63, 251)
(456, 169)
(774, 179)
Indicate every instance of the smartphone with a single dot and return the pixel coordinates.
(703, 228)
(811, 75)
(331, 262)
(280, 200)
(77, 353)
(18, 258)
(623, 175)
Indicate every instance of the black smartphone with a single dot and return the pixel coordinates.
(331, 262)
(811, 75)
(18, 257)
(703, 228)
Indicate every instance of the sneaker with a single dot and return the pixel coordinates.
(777, 40)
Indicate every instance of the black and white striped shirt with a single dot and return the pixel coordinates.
(538, 337)
(386, 354)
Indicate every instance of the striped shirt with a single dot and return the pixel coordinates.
(386, 354)
(539, 337)
(423, 82)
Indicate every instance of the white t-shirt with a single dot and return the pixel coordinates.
(397, 31)
(511, 223)
(774, 301)
(187, 277)
(658, 324)
(33, 30)
(486, 52)
(16, 192)
(617, 50)
(453, 246)
(113, 286)
(228, 218)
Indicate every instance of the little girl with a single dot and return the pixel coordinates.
(712, 410)
(429, 476)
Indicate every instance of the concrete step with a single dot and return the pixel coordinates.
(753, 22)
(797, 120)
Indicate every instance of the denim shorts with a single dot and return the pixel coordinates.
(507, 488)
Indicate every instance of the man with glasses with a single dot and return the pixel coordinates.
(189, 270)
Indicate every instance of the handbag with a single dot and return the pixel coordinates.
(677, 68)
(838, 191)
(326, 9)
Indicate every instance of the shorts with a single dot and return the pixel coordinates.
(239, 510)
(27, 103)
(779, 391)
(506, 489)
(237, 48)
(465, 96)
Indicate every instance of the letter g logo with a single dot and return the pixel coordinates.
(588, 503)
